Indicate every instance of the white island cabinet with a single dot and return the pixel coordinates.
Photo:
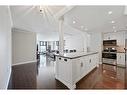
(70, 68)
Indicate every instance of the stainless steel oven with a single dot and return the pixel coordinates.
(109, 55)
(109, 42)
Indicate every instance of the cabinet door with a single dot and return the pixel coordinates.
(120, 39)
(95, 60)
(76, 69)
(107, 36)
(110, 36)
(65, 69)
(84, 66)
(92, 62)
(121, 59)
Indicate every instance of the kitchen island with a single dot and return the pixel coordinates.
(71, 67)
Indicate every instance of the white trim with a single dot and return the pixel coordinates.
(70, 86)
(24, 62)
(10, 14)
(8, 79)
(63, 11)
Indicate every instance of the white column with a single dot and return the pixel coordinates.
(61, 36)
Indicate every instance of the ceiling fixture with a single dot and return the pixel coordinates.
(74, 22)
(82, 27)
(113, 27)
(110, 12)
(112, 21)
(42, 9)
(115, 31)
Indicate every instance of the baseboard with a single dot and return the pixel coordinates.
(71, 87)
(8, 80)
(24, 62)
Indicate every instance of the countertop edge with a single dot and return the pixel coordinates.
(76, 56)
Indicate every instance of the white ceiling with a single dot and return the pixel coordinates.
(30, 18)
(95, 18)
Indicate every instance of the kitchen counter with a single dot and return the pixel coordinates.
(76, 54)
(72, 67)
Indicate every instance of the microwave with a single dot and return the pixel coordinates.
(109, 42)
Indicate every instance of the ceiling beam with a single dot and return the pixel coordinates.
(63, 12)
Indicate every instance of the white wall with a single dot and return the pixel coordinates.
(23, 46)
(5, 46)
(47, 36)
(78, 40)
(74, 39)
(96, 43)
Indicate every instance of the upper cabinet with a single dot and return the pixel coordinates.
(121, 39)
(119, 36)
(110, 36)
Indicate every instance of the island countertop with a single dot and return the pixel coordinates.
(76, 54)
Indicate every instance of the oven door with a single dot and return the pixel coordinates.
(109, 55)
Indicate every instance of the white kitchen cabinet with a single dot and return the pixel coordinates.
(121, 39)
(121, 59)
(64, 69)
(92, 61)
(87, 64)
(76, 69)
(119, 36)
(84, 66)
(110, 36)
(70, 70)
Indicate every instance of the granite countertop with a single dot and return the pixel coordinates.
(76, 54)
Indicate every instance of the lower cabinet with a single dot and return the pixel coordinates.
(121, 59)
(70, 71)
(82, 66)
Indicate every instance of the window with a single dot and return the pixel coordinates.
(43, 43)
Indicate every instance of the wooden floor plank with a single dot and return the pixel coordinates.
(33, 76)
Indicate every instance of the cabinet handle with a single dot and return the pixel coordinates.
(81, 64)
(90, 61)
(65, 59)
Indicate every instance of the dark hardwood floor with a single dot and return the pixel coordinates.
(104, 77)
(33, 76)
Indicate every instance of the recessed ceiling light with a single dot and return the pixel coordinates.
(112, 21)
(86, 29)
(82, 27)
(74, 22)
(113, 27)
(109, 12)
(115, 31)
